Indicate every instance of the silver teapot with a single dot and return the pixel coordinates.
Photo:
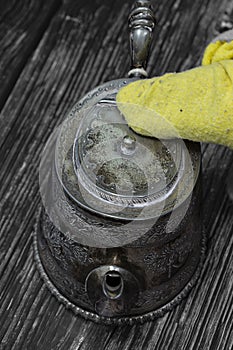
(119, 236)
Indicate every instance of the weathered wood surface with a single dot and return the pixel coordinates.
(43, 72)
(22, 24)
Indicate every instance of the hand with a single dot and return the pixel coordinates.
(196, 104)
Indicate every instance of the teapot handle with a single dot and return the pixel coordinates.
(141, 25)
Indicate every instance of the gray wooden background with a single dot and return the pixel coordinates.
(51, 53)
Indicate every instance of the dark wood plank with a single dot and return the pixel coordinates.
(22, 24)
(84, 45)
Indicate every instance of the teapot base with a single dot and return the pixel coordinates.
(144, 317)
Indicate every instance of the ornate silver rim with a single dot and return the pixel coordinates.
(150, 316)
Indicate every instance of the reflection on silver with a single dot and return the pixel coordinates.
(119, 238)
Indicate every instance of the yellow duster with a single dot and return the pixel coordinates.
(196, 104)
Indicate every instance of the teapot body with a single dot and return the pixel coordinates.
(112, 268)
(163, 266)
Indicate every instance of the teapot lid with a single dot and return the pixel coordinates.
(116, 164)
(113, 171)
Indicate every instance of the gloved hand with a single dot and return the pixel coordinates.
(197, 103)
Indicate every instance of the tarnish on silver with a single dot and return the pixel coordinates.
(141, 24)
(134, 263)
(142, 318)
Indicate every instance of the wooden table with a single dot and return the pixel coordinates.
(53, 52)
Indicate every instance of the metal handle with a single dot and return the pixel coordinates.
(141, 24)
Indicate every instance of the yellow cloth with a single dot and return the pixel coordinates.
(196, 104)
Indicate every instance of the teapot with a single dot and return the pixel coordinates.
(119, 236)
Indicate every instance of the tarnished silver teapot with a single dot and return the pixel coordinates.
(119, 237)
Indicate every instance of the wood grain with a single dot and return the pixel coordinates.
(22, 24)
(84, 44)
